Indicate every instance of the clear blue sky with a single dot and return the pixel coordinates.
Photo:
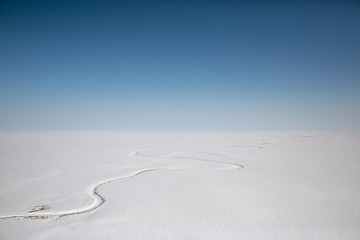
(179, 65)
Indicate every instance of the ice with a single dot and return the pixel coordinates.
(179, 185)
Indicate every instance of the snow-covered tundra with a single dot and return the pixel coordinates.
(180, 185)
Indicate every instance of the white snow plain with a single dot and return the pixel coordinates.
(180, 185)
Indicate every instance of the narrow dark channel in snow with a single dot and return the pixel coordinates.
(99, 200)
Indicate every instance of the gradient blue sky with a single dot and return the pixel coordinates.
(179, 65)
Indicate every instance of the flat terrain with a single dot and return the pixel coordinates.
(180, 185)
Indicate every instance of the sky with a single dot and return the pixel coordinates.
(179, 65)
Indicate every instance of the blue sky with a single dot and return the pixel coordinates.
(179, 65)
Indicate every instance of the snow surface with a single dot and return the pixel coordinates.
(180, 185)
